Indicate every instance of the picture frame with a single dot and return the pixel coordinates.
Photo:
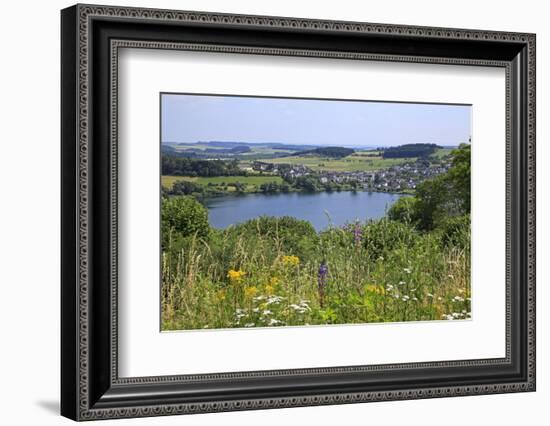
(91, 37)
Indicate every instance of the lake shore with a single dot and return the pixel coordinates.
(225, 185)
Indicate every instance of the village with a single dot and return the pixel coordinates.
(398, 178)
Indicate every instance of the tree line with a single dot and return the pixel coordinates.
(182, 166)
(329, 151)
(410, 150)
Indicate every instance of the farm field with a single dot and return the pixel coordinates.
(168, 181)
(359, 161)
(350, 163)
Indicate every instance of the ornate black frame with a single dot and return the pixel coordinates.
(91, 37)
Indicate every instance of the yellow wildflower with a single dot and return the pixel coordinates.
(220, 295)
(271, 285)
(375, 289)
(235, 276)
(291, 260)
(250, 292)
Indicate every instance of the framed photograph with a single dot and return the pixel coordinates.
(263, 212)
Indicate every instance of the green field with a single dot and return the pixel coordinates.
(351, 163)
(168, 181)
(443, 152)
(359, 161)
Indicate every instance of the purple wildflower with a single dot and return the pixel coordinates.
(322, 276)
(357, 233)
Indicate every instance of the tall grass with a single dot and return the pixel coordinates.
(280, 272)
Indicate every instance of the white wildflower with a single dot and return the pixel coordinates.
(249, 324)
(240, 313)
(304, 305)
(301, 308)
(407, 270)
(274, 299)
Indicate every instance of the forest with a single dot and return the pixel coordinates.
(184, 166)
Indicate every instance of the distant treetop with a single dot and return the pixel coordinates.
(329, 151)
(410, 150)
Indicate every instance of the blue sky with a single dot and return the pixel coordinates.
(193, 118)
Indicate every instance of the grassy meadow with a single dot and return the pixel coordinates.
(280, 272)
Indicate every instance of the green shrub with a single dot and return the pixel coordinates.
(404, 210)
(183, 187)
(293, 236)
(185, 216)
(455, 231)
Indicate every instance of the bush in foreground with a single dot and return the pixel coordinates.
(185, 216)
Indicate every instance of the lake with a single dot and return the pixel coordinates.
(341, 207)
